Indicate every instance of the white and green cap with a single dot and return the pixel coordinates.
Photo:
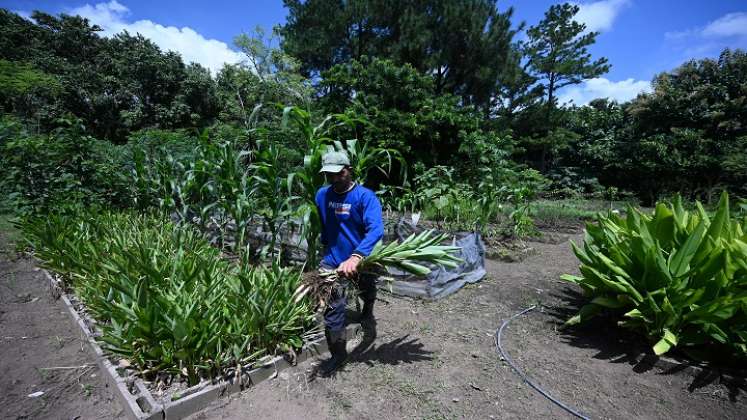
(334, 161)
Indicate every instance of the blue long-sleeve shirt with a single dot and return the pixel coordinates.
(351, 223)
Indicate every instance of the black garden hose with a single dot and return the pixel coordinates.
(526, 379)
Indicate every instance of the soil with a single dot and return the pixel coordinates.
(438, 360)
(37, 334)
(431, 359)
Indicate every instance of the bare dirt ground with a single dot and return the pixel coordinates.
(438, 360)
(37, 334)
(432, 360)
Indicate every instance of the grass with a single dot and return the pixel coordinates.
(572, 211)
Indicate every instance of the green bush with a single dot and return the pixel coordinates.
(677, 276)
(44, 172)
(162, 295)
(476, 204)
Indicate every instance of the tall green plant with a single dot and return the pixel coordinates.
(677, 276)
(307, 179)
(272, 190)
(211, 186)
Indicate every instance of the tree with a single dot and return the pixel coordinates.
(249, 91)
(462, 45)
(696, 116)
(516, 90)
(115, 85)
(26, 91)
(556, 52)
(465, 45)
(405, 112)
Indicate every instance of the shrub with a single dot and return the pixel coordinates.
(677, 276)
(43, 172)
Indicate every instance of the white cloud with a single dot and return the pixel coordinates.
(680, 35)
(600, 15)
(732, 24)
(193, 47)
(600, 87)
(729, 25)
(24, 14)
(728, 31)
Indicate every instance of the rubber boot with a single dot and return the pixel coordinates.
(368, 326)
(336, 343)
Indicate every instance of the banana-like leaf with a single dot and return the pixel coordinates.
(668, 271)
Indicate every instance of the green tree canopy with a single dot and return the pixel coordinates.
(115, 85)
(463, 45)
(557, 56)
(557, 51)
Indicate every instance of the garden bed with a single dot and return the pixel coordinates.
(141, 401)
(428, 355)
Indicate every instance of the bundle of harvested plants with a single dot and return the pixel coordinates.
(409, 255)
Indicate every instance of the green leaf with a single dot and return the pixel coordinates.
(607, 302)
(667, 341)
(680, 260)
(587, 312)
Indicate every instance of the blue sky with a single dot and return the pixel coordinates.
(639, 37)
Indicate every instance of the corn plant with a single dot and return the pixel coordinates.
(163, 297)
(272, 190)
(306, 179)
(677, 276)
(210, 186)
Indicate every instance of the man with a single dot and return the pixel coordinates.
(351, 227)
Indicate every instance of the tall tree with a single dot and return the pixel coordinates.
(557, 51)
(516, 90)
(557, 54)
(696, 117)
(404, 112)
(463, 45)
(268, 76)
(116, 85)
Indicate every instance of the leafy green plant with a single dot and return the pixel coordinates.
(471, 205)
(272, 190)
(163, 297)
(306, 179)
(679, 277)
(211, 185)
(42, 172)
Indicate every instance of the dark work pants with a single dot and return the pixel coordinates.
(334, 315)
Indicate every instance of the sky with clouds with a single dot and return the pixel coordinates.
(640, 38)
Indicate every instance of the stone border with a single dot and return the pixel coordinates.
(141, 405)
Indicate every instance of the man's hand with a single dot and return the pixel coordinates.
(350, 266)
